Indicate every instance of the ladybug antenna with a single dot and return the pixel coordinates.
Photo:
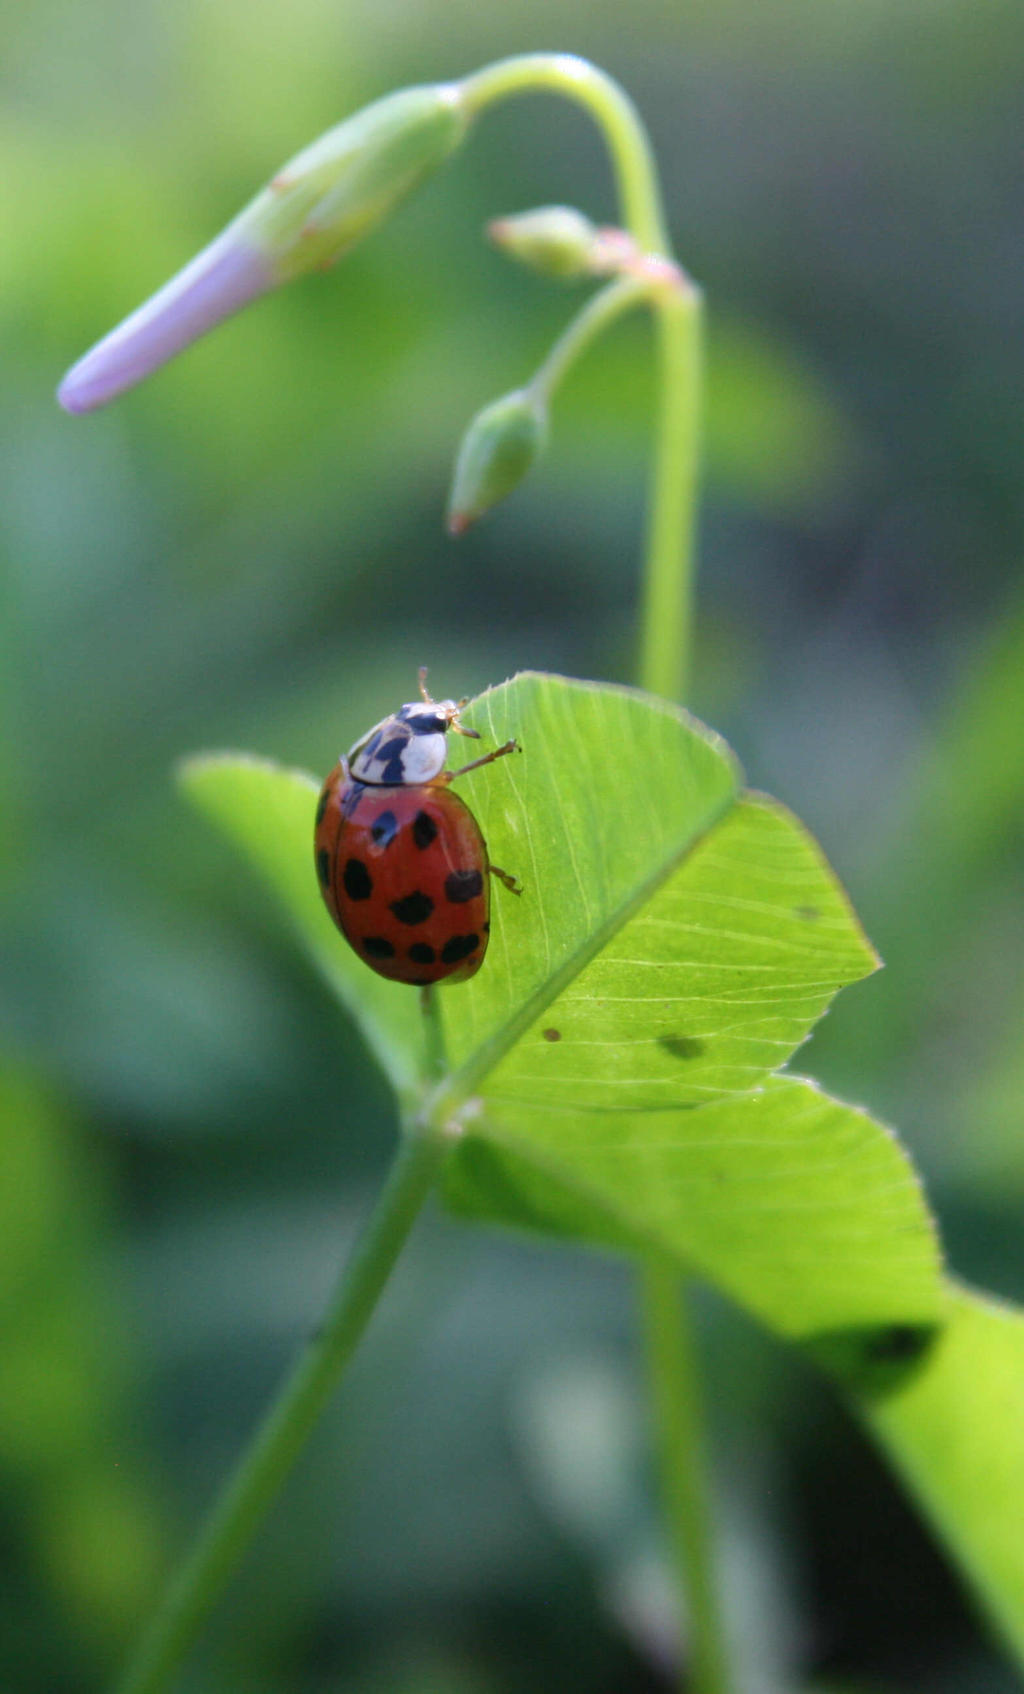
(451, 712)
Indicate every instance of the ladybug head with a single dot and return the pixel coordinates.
(408, 747)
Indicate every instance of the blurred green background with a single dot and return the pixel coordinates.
(249, 552)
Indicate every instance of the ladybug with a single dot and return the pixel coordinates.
(401, 862)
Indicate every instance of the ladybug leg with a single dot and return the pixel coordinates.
(460, 728)
(495, 753)
(511, 883)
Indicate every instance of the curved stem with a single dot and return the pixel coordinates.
(279, 1441)
(576, 79)
(667, 596)
(668, 568)
(599, 313)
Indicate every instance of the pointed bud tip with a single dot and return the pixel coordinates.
(494, 455)
(556, 241)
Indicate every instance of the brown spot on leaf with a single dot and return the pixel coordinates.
(809, 914)
(897, 1344)
(682, 1046)
(552, 1035)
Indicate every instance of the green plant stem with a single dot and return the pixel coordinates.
(576, 79)
(665, 644)
(435, 1054)
(599, 313)
(666, 633)
(666, 612)
(679, 1445)
(278, 1442)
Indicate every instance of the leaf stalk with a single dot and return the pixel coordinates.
(677, 1417)
(277, 1444)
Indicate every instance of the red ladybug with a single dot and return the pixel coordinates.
(401, 862)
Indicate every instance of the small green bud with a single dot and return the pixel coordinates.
(496, 452)
(557, 241)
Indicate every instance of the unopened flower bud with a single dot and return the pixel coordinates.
(495, 454)
(335, 191)
(557, 241)
(314, 210)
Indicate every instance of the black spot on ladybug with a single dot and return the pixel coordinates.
(459, 947)
(810, 914)
(421, 954)
(681, 1046)
(460, 886)
(321, 807)
(389, 754)
(323, 866)
(357, 880)
(552, 1034)
(413, 908)
(378, 947)
(487, 926)
(434, 724)
(385, 828)
(424, 829)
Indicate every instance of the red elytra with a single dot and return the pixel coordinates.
(402, 865)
